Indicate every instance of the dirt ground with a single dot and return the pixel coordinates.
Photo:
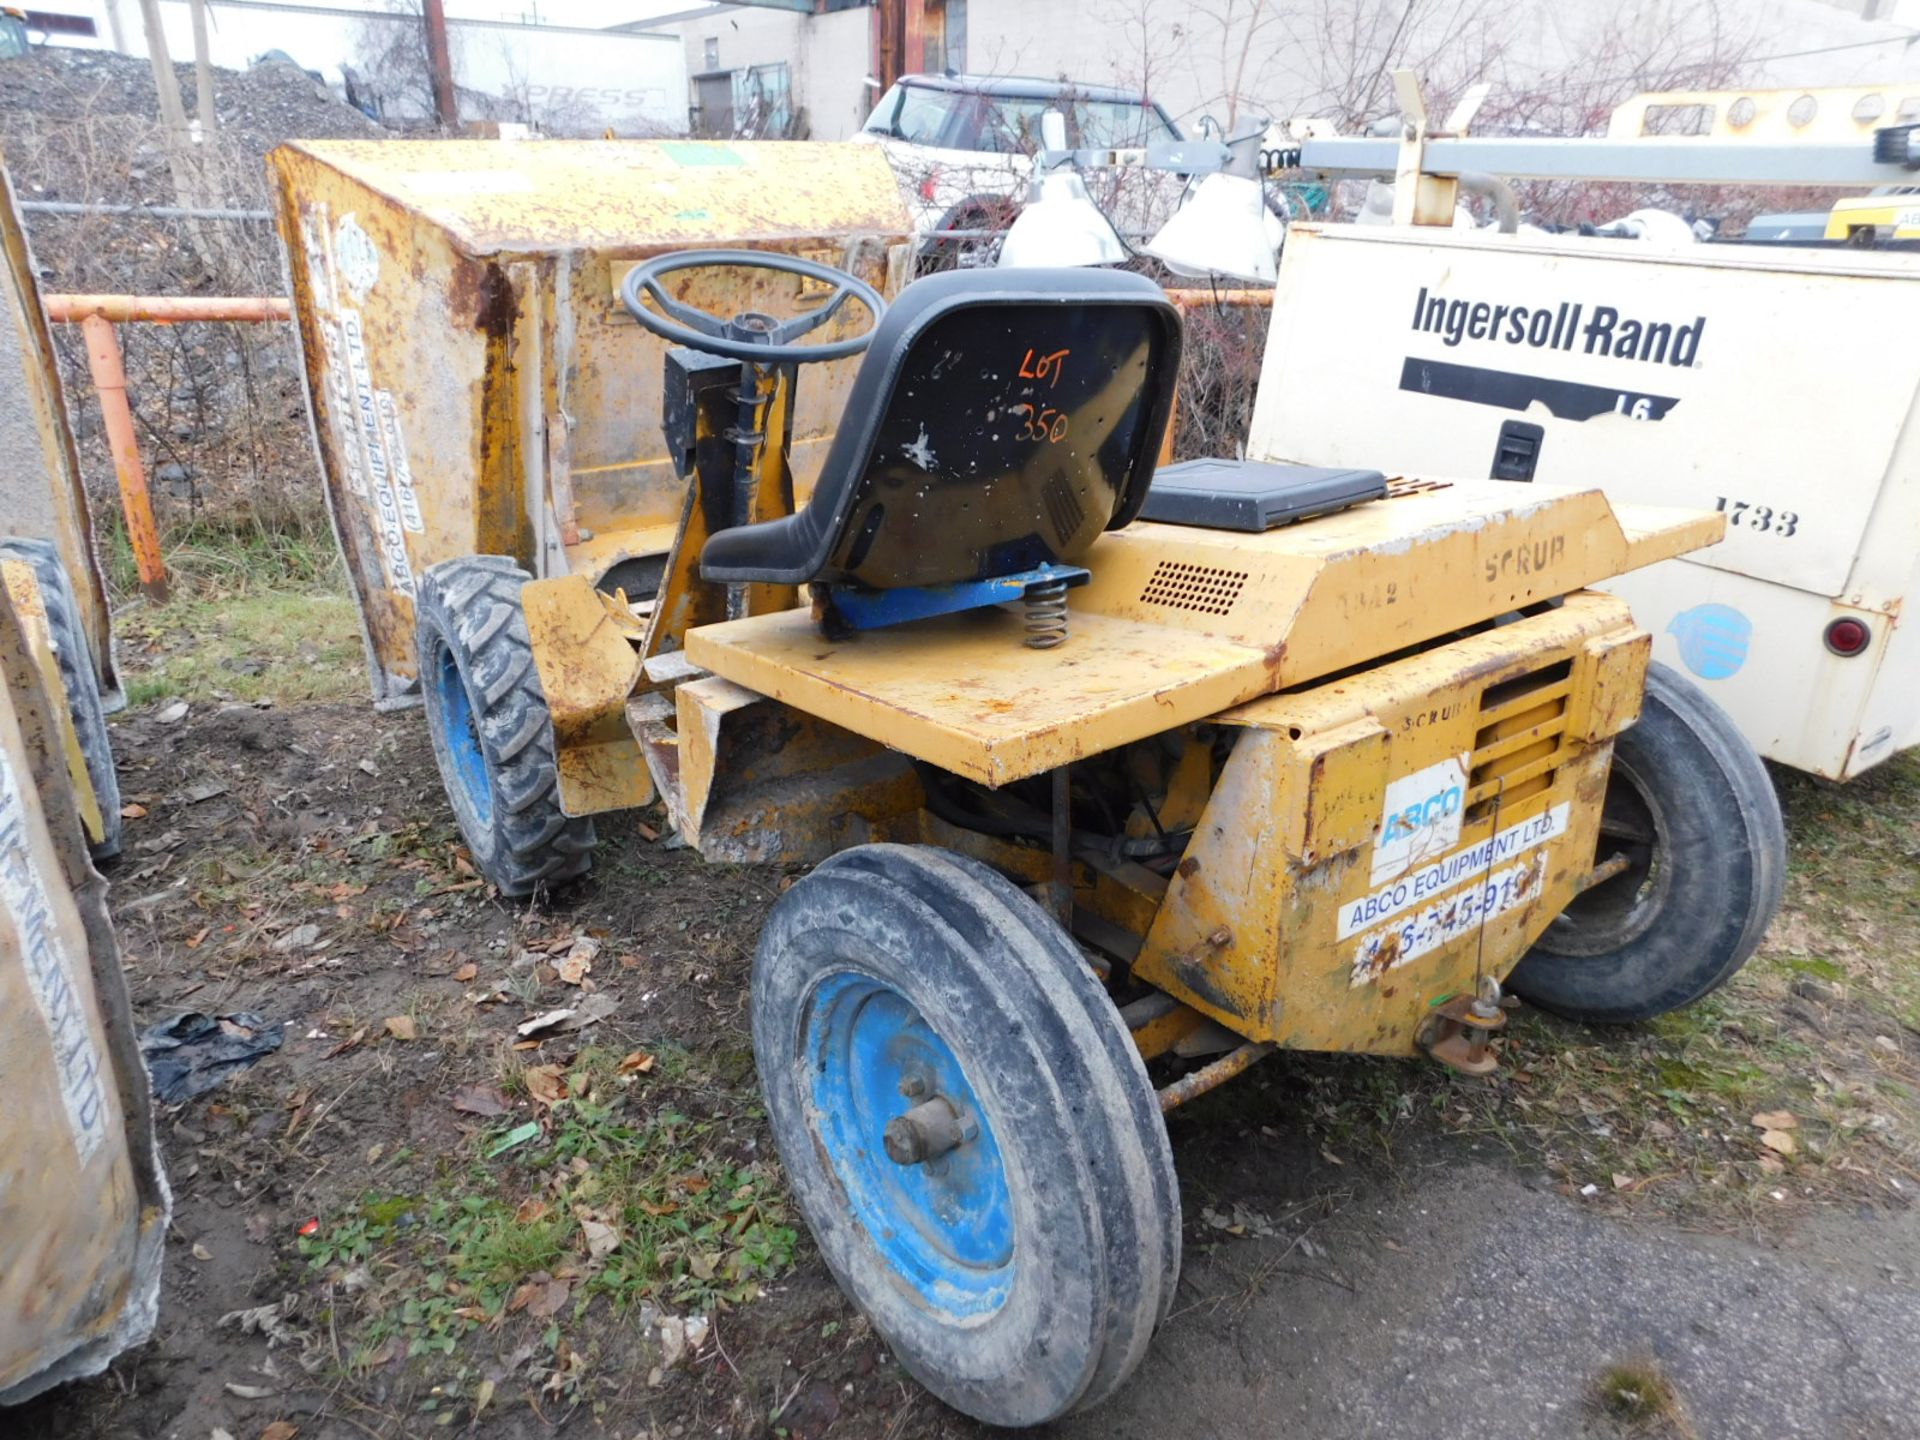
(412, 1219)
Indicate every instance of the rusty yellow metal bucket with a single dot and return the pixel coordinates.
(83, 1206)
(476, 386)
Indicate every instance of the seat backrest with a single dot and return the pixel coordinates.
(1000, 421)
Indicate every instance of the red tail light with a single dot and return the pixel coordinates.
(1847, 636)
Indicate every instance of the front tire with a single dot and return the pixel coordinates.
(492, 735)
(1019, 1275)
(1690, 806)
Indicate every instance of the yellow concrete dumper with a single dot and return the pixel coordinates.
(1112, 783)
(47, 563)
(83, 1205)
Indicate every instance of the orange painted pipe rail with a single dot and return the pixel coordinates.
(168, 309)
(96, 315)
(1191, 299)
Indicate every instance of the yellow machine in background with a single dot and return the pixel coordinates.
(1892, 213)
(84, 1222)
(1099, 769)
(475, 383)
(47, 560)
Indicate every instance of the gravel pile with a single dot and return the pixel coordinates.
(219, 408)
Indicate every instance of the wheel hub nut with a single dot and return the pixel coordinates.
(926, 1132)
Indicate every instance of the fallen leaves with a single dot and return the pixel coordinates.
(466, 972)
(590, 1011)
(546, 1083)
(636, 1062)
(280, 1430)
(479, 1100)
(133, 810)
(602, 1239)
(268, 1320)
(402, 1027)
(1773, 1126)
(577, 963)
(678, 1338)
(545, 1020)
(541, 1297)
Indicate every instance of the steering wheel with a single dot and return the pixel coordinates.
(750, 336)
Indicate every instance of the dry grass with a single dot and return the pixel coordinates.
(1637, 1395)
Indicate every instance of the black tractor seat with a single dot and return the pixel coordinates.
(1001, 420)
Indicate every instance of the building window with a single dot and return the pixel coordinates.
(711, 56)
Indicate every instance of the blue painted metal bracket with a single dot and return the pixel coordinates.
(874, 609)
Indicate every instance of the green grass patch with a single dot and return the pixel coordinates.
(1854, 882)
(275, 644)
(210, 558)
(255, 614)
(1815, 1025)
(616, 1197)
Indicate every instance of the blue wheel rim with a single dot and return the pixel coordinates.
(944, 1229)
(460, 735)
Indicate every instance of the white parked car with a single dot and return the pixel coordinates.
(962, 146)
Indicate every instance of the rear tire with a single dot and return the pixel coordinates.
(1024, 1278)
(74, 658)
(492, 735)
(1691, 806)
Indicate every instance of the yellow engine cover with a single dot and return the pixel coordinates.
(1376, 843)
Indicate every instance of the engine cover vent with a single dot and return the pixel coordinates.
(1180, 585)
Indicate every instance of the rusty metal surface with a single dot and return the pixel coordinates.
(586, 650)
(85, 1208)
(1180, 623)
(476, 387)
(22, 589)
(1210, 1077)
(42, 492)
(760, 782)
(1334, 937)
(1459, 1033)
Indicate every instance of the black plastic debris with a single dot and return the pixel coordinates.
(192, 1053)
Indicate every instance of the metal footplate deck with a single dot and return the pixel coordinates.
(1180, 623)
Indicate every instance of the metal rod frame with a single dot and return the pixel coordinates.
(1676, 160)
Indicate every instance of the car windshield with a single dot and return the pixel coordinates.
(912, 113)
(1010, 125)
(1113, 124)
